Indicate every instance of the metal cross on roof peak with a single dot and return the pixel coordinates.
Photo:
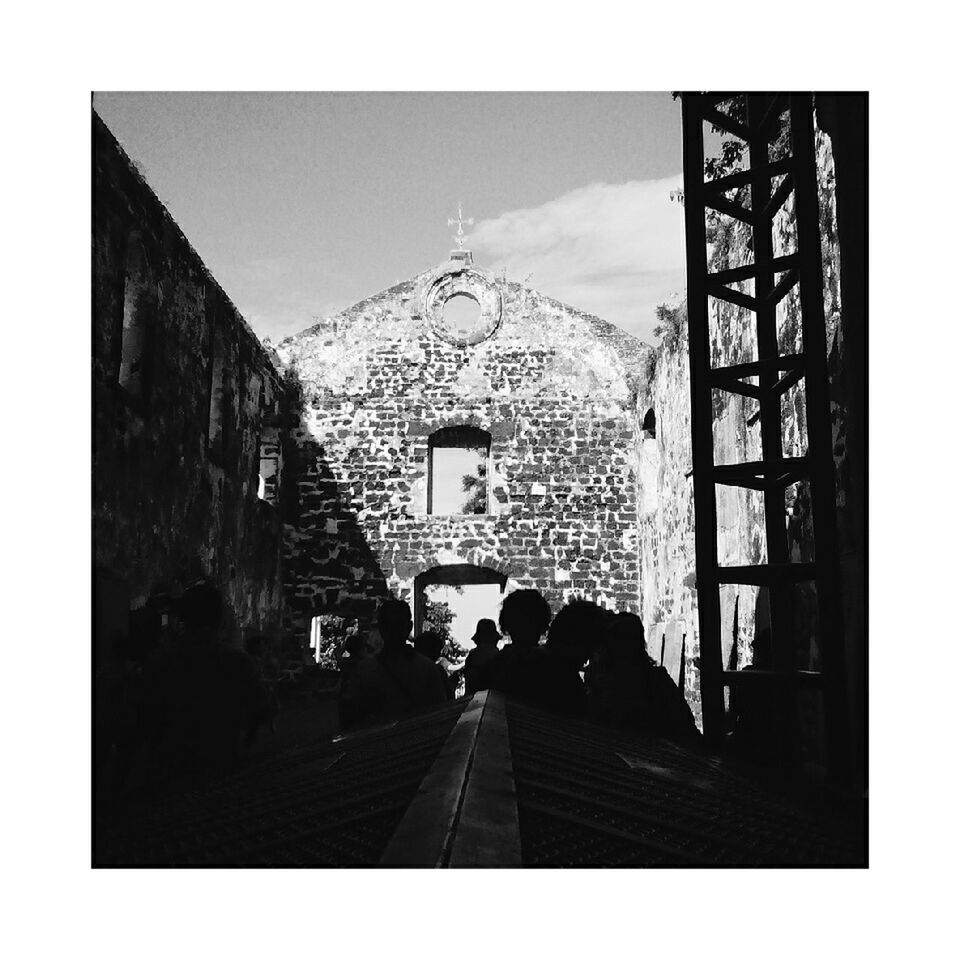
(459, 222)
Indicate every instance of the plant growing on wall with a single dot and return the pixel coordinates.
(671, 325)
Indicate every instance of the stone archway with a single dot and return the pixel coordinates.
(454, 575)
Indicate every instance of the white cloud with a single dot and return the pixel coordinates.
(615, 250)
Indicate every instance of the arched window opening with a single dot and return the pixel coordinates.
(649, 474)
(139, 313)
(458, 480)
(650, 424)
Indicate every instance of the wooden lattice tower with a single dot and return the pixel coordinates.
(766, 379)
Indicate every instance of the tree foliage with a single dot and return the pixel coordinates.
(476, 486)
(438, 616)
(454, 651)
(334, 633)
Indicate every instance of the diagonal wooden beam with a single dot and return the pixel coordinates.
(719, 119)
(778, 105)
(789, 361)
(761, 468)
(767, 574)
(750, 483)
(787, 381)
(782, 287)
(743, 177)
(750, 270)
(732, 296)
(721, 204)
(740, 388)
(779, 196)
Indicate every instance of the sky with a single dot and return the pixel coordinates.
(450, 466)
(302, 204)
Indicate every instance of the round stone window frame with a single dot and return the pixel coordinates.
(464, 282)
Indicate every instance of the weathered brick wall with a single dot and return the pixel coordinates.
(668, 601)
(666, 526)
(554, 388)
(168, 506)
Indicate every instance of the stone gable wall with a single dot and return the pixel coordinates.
(553, 387)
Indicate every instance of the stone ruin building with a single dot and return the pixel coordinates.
(304, 478)
(315, 461)
(543, 394)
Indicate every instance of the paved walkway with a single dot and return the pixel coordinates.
(481, 782)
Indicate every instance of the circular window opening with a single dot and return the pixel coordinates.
(461, 314)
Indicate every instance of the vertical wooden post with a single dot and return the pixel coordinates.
(820, 436)
(701, 413)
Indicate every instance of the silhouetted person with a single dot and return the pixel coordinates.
(578, 631)
(478, 670)
(430, 645)
(354, 650)
(398, 680)
(205, 696)
(525, 670)
(631, 691)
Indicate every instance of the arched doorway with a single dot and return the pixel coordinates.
(463, 576)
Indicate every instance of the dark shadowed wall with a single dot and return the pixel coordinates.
(184, 395)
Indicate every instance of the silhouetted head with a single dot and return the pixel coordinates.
(355, 645)
(201, 609)
(630, 627)
(525, 615)
(486, 633)
(577, 629)
(395, 622)
(626, 642)
(430, 644)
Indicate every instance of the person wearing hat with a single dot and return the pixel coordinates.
(477, 671)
